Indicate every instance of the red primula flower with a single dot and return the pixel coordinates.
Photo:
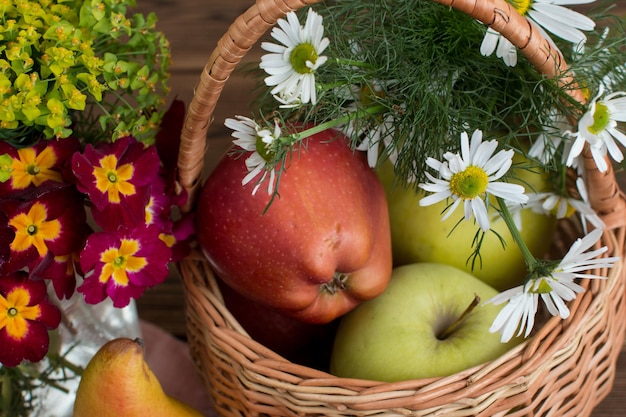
(175, 234)
(6, 237)
(116, 177)
(167, 139)
(52, 220)
(160, 202)
(61, 271)
(123, 263)
(33, 166)
(182, 231)
(26, 315)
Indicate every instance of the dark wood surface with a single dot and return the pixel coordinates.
(193, 27)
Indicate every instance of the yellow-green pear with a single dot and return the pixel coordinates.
(118, 382)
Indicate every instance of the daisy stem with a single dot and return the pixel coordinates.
(353, 63)
(531, 261)
(335, 122)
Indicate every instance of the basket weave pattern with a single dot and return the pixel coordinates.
(565, 370)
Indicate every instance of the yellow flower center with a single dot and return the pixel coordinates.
(114, 180)
(120, 261)
(540, 286)
(370, 94)
(264, 150)
(522, 6)
(601, 119)
(469, 183)
(300, 55)
(33, 229)
(15, 311)
(571, 210)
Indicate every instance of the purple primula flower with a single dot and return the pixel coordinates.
(122, 264)
(116, 177)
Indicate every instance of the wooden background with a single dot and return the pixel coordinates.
(193, 28)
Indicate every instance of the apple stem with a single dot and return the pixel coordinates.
(448, 331)
(337, 283)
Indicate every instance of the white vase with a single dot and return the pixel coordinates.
(83, 330)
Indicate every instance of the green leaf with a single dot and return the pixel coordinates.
(5, 167)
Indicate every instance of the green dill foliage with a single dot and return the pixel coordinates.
(81, 67)
(417, 66)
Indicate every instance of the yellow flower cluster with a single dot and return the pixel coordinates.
(57, 58)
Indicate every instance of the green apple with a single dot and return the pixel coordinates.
(419, 235)
(417, 328)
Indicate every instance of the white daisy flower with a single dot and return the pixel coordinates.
(546, 16)
(253, 138)
(470, 176)
(554, 289)
(598, 128)
(373, 137)
(546, 147)
(564, 206)
(518, 313)
(292, 63)
(288, 102)
(610, 78)
(504, 49)
(372, 130)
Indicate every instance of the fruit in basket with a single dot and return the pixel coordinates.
(419, 235)
(320, 248)
(117, 382)
(420, 327)
(303, 343)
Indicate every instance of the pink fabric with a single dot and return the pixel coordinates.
(171, 362)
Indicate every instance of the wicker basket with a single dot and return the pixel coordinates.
(566, 369)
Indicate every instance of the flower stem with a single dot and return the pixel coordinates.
(531, 261)
(62, 362)
(353, 63)
(372, 110)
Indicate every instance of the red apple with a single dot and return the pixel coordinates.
(319, 249)
(307, 344)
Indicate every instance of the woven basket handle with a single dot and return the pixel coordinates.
(248, 28)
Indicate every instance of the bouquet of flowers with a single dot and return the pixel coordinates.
(87, 203)
(452, 106)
